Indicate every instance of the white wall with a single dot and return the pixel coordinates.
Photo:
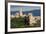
(2, 17)
(2, 23)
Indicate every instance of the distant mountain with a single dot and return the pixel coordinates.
(14, 12)
(34, 12)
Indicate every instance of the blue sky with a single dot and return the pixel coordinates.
(24, 8)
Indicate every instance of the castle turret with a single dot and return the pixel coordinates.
(20, 11)
(31, 18)
(17, 15)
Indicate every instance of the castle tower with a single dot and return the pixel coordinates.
(30, 18)
(20, 11)
(17, 15)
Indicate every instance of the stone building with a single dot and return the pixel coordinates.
(33, 19)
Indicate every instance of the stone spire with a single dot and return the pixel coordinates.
(20, 11)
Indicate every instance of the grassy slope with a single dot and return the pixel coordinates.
(19, 23)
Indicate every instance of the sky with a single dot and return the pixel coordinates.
(24, 8)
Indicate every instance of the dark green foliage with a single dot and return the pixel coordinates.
(17, 22)
(20, 23)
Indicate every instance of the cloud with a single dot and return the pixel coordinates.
(24, 8)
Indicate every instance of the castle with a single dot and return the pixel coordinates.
(32, 19)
